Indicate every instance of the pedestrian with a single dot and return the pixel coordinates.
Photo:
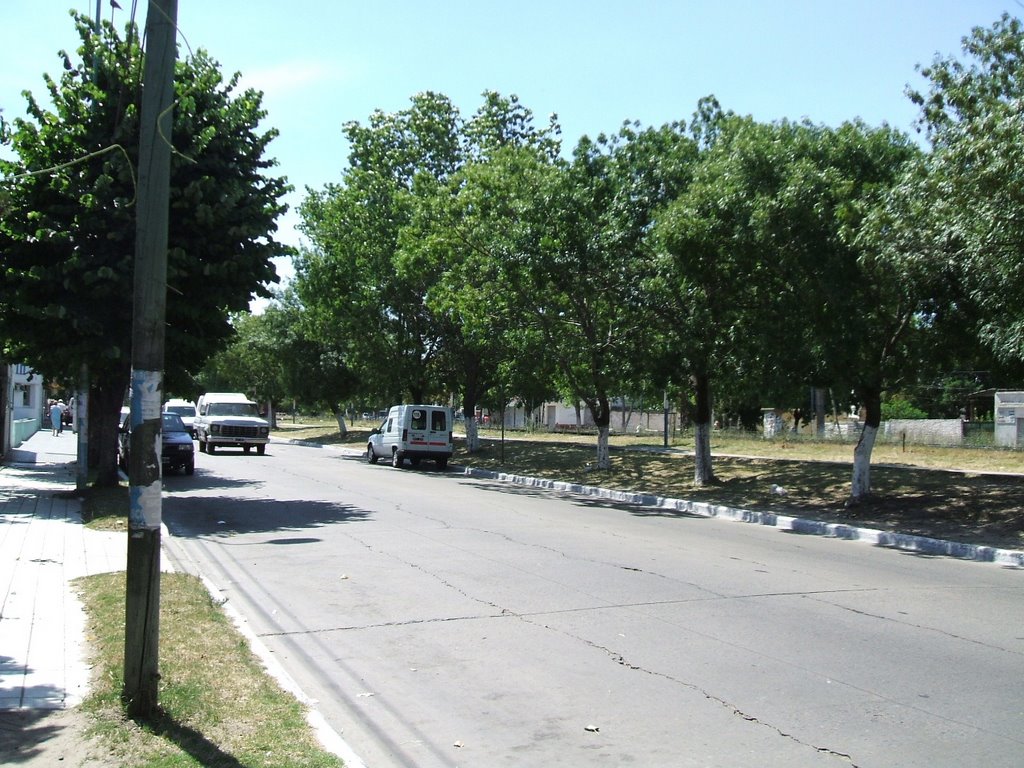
(63, 416)
(56, 412)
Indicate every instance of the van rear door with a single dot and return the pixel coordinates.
(429, 429)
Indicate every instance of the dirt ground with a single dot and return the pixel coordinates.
(49, 738)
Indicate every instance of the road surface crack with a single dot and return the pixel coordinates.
(736, 711)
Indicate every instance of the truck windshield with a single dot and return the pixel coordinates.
(231, 409)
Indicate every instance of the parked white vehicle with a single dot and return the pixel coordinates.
(184, 408)
(413, 432)
(229, 419)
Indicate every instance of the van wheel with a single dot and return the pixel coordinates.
(371, 457)
(396, 459)
(414, 462)
(442, 462)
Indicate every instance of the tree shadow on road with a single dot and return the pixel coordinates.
(196, 516)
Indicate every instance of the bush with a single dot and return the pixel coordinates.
(899, 407)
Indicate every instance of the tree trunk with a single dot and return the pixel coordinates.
(105, 399)
(703, 472)
(472, 435)
(604, 457)
(602, 420)
(339, 414)
(819, 411)
(861, 485)
(469, 409)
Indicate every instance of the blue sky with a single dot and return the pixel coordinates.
(595, 63)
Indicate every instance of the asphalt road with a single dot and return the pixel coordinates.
(439, 620)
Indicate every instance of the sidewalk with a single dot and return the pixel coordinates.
(43, 546)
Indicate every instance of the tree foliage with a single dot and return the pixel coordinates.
(973, 111)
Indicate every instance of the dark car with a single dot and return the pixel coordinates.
(176, 448)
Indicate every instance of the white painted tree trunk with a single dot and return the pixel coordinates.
(604, 457)
(862, 463)
(703, 472)
(342, 427)
(472, 436)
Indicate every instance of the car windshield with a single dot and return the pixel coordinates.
(173, 423)
(231, 409)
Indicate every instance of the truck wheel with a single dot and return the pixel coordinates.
(210, 447)
(202, 445)
(371, 457)
(260, 450)
(190, 468)
(246, 449)
(396, 459)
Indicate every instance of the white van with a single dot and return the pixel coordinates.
(229, 419)
(413, 432)
(186, 409)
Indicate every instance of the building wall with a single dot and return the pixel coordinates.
(925, 431)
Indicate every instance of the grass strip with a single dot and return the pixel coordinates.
(219, 707)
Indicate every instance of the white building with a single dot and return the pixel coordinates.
(23, 406)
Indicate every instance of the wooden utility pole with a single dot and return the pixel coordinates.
(142, 592)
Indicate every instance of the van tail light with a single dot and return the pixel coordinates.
(405, 435)
(449, 437)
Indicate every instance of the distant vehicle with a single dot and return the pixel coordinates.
(184, 408)
(413, 432)
(229, 419)
(176, 448)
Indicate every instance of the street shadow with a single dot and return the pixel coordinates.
(191, 741)
(24, 732)
(203, 480)
(221, 516)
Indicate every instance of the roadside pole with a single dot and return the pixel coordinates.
(142, 590)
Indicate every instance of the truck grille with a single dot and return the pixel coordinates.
(227, 430)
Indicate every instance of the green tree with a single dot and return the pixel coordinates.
(973, 111)
(719, 281)
(348, 279)
(406, 273)
(67, 237)
(877, 309)
(583, 266)
(463, 241)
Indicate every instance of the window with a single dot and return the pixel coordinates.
(438, 421)
(419, 419)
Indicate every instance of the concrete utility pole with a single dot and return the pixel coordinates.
(142, 597)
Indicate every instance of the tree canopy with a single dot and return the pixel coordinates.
(67, 237)
(729, 258)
